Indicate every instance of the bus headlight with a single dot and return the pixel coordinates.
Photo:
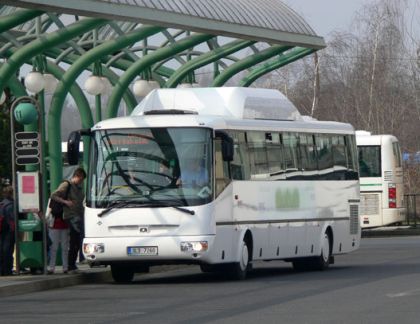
(89, 248)
(201, 246)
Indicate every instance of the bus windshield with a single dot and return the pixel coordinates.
(151, 167)
(369, 161)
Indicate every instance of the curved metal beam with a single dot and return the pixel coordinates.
(248, 62)
(283, 60)
(70, 77)
(17, 18)
(147, 61)
(205, 59)
(42, 43)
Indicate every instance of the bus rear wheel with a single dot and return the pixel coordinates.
(121, 273)
(317, 263)
(322, 261)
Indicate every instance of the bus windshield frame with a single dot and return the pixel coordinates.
(151, 167)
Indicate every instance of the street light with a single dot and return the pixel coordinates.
(34, 82)
(94, 85)
(50, 83)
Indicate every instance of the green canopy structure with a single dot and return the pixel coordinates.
(163, 42)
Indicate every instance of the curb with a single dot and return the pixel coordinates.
(25, 284)
(391, 232)
(28, 284)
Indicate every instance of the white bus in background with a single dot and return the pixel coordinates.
(381, 180)
(270, 184)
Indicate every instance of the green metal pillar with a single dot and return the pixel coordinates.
(282, 60)
(17, 18)
(248, 62)
(205, 59)
(147, 61)
(69, 78)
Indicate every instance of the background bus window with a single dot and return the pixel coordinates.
(370, 161)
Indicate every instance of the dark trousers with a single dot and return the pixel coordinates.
(74, 247)
(7, 244)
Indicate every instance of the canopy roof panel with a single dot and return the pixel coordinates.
(263, 20)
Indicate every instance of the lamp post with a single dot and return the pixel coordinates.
(26, 110)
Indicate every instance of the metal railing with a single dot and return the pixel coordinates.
(412, 204)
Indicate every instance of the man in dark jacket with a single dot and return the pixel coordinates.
(7, 233)
(73, 212)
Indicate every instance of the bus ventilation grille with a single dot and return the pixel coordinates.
(369, 204)
(354, 219)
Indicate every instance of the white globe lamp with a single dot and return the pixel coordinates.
(141, 88)
(94, 85)
(107, 85)
(50, 83)
(34, 82)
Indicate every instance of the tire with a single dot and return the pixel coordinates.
(122, 274)
(322, 262)
(239, 269)
(317, 263)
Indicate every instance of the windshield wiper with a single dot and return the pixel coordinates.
(164, 204)
(118, 204)
(152, 203)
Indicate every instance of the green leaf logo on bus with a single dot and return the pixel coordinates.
(287, 198)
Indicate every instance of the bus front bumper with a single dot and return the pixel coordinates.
(149, 249)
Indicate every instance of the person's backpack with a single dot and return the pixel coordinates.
(6, 224)
(56, 207)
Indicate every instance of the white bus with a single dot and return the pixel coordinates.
(269, 184)
(381, 180)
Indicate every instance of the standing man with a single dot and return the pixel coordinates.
(73, 213)
(7, 232)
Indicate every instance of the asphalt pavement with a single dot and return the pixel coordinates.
(27, 283)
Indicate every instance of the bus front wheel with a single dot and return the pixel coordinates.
(121, 273)
(240, 269)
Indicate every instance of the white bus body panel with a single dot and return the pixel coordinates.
(286, 220)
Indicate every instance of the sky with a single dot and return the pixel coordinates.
(326, 16)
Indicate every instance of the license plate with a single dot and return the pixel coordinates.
(142, 250)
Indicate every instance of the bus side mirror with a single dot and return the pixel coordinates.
(73, 143)
(227, 146)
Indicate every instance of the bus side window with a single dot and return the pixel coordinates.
(240, 165)
(290, 151)
(221, 169)
(339, 151)
(325, 154)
